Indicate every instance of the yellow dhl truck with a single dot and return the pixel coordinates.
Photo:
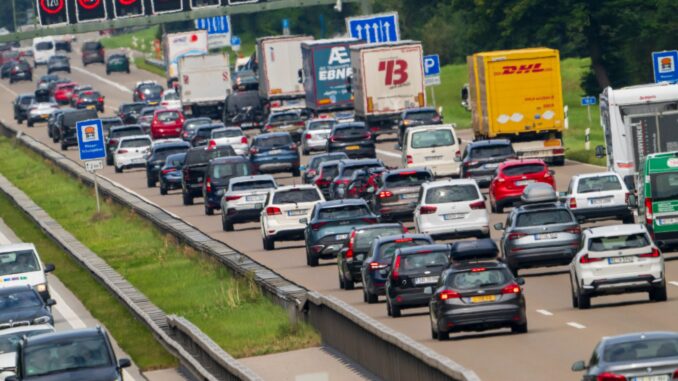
(517, 95)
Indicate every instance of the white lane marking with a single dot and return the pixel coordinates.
(545, 312)
(8, 89)
(105, 80)
(576, 325)
(674, 283)
(64, 310)
(4, 240)
(388, 153)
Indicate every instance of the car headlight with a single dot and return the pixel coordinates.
(42, 320)
(42, 287)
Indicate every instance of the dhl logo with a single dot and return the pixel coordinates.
(522, 69)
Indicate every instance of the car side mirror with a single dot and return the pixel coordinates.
(49, 268)
(498, 226)
(520, 281)
(633, 202)
(124, 363)
(600, 152)
(50, 302)
(303, 221)
(578, 366)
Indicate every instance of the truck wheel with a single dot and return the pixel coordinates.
(187, 199)
(583, 300)
(519, 328)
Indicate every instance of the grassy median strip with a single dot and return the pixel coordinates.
(131, 334)
(232, 311)
(144, 40)
(141, 64)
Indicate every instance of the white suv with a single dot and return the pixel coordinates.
(244, 199)
(131, 152)
(452, 208)
(599, 196)
(285, 208)
(616, 259)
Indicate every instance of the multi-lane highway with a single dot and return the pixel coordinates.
(558, 334)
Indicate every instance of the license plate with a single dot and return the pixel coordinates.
(274, 151)
(453, 216)
(483, 298)
(246, 124)
(352, 148)
(91, 107)
(409, 196)
(341, 237)
(44, 116)
(667, 221)
(426, 280)
(617, 260)
(663, 377)
(255, 198)
(431, 158)
(543, 236)
(600, 201)
(137, 161)
(298, 212)
(524, 182)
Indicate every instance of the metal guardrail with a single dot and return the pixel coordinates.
(154, 62)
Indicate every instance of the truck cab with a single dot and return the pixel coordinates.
(658, 197)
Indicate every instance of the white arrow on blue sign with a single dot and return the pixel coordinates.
(214, 25)
(588, 101)
(431, 65)
(377, 28)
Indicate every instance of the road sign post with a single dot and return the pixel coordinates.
(588, 102)
(90, 134)
(432, 74)
(376, 28)
(664, 66)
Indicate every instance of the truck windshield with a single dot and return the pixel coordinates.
(664, 186)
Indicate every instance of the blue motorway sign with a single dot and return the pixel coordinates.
(90, 135)
(664, 66)
(588, 101)
(431, 65)
(235, 41)
(214, 25)
(377, 28)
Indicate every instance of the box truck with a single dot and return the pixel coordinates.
(517, 94)
(279, 62)
(177, 45)
(204, 84)
(387, 79)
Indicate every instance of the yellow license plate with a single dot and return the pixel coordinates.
(44, 116)
(484, 298)
(91, 107)
(352, 148)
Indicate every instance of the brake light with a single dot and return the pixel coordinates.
(477, 205)
(385, 194)
(368, 136)
(318, 225)
(212, 144)
(208, 184)
(113, 142)
(586, 259)
(409, 159)
(401, 240)
(511, 289)
(299, 124)
(369, 220)
(573, 203)
(478, 269)
(268, 127)
(407, 173)
(654, 254)
(470, 163)
(428, 209)
(457, 154)
(243, 140)
(649, 216)
(101, 99)
(185, 135)
(233, 198)
(376, 266)
(273, 211)
(308, 136)
(333, 139)
(515, 236)
(558, 151)
(321, 183)
(351, 241)
(607, 376)
(122, 151)
(142, 96)
(448, 294)
(675, 375)
(405, 229)
(254, 150)
(574, 230)
(168, 170)
(396, 268)
(293, 146)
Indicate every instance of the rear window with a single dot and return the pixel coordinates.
(433, 138)
(387, 250)
(220, 171)
(452, 193)
(406, 179)
(491, 151)
(544, 217)
(520, 170)
(344, 211)
(316, 161)
(135, 143)
(169, 116)
(46, 45)
(171, 96)
(350, 132)
(472, 280)
(162, 153)
(177, 161)
(330, 171)
(598, 184)
(90, 96)
(364, 238)
(232, 133)
(420, 261)
(422, 115)
(281, 118)
(206, 132)
(193, 124)
(132, 107)
(26, 100)
(116, 59)
(58, 59)
(201, 155)
(631, 241)
(260, 184)
(322, 125)
(126, 132)
(273, 141)
(641, 350)
(296, 195)
(152, 91)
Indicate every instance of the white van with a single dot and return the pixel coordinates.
(435, 147)
(43, 49)
(20, 265)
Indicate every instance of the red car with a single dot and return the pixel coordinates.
(63, 92)
(166, 124)
(511, 179)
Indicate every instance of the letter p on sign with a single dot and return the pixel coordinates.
(431, 65)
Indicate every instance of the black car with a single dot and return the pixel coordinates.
(476, 293)
(149, 93)
(376, 265)
(417, 117)
(6, 68)
(481, 159)
(413, 277)
(170, 173)
(110, 121)
(311, 169)
(219, 171)
(63, 45)
(129, 112)
(339, 183)
(22, 305)
(81, 354)
(202, 134)
(354, 139)
(21, 105)
(92, 100)
(156, 159)
(21, 71)
(398, 195)
(58, 63)
(191, 125)
(52, 123)
(193, 171)
(115, 133)
(350, 258)
(92, 51)
(67, 132)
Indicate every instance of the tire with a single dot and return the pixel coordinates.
(305, 152)
(163, 189)
(658, 294)
(575, 301)
(342, 285)
(443, 336)
(349, 284)
(209, 211)
(499, 208)
(559, 161)
(29, 123)
(268, 243)
(187, 199)
(392, 310)
(434, 334)
(296, 172)
(20, 121)
(583, 300)
(127, 70)
(226, 225)
(108, 72)
(628, 220)
(118, 169)
(312, 261)
(150, 182)
(519, 328)
(64, 147)
(11, 81)
(49, 132)
(109, 160)
(370, 298)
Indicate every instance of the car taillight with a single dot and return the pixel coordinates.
(122, 151)
(607, 376)
(586, 259)
(168, 170)
(405, 229)
(212, 144)
(654, 254)
(208, 184)
(268, 127)
(273, 211)
(401, 240)
(395, 273)
(511, 289)
(185, 135)
(351, 242)
(574, 230)
(320, 182)
(559, 151)
(254, 150)
(308, 136)
(409, 159)
(428, 209)
(573, 203)
(101, 99)
(243, 140)
(369, 220)
(448, 294)
(233, 198)
(318, 225)
(515, 235)
(376, 266)
(311, 172)
(367, 136)
(470, 163)
(142, 96)
(293, 146)
(457, 154)
(675, 375)
(385, 194)
(649, 216)
(477, 205)
(333, 139)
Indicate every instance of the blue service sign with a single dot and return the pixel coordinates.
(588, 101)
(214, 25)
(377, 28)
(431, 65)
(286, 23)
(90, 135)
(664, 66)
(235, 41)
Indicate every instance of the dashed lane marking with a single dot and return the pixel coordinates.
(674, 283)
(545, 312)
(102, 79)
(8, 89)
(576, 325)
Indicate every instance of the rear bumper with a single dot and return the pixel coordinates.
(395, 212)
(670, 239)
(362, 152)
(623, 285)
(409, 299)
(542, 256)
(603, 213)
(288, 235)
(481, 318)
(461, 231)
(243, 215)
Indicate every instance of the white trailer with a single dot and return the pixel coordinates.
(204, 84)
(177, 45)
(279, 59)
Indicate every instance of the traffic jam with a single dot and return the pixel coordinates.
(288, 144)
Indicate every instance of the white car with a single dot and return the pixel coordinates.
(244, 199)
(599, 196)
(9, 341)
(131, 152)
(452, 208)
(435, 147)
(171, 100)
(43, 49)
(230, 136)
(40, 112)
(20, 265)
(616, 259)
(314, 137)
(285, 208)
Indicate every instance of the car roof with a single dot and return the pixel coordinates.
(437, 183)
(134, 137)
(511, 163)
(489, 142)
(178, 144)
(419, 109)
(296, 186)
(245, 179)
(595, 174)
(330, 163)
(611, 340)
(336, 203)
(62, 335)
(16, 247)
(613, 230)
(420, 249)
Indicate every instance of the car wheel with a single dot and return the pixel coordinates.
(187, 199)
(108, 72)
(127, 70)
(370, 298)
(209, 210)
(342, 285)
(393, 310)
(29, 123)
(312, 261)
(658, 294)
(583, 300)
(305, 152)
(226, 225)
(519, 328)
(349, 284)
(499, 208)
(628, 220)
(11, 81)
(296, 172)
(150, 182)
(118, 169)
(109, 160)
(163, 189)
(434, 334)
(268, 243)
(64, 147)
(575, 301)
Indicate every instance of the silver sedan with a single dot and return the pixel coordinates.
(314, 137)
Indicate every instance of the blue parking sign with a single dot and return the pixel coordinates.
(431, 65)
(90, 134)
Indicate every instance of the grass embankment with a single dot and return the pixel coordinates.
(132, 336)
(144, 40)
(232, 311)
(141, 64)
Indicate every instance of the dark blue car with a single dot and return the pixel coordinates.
(376, 266)
(219, 172)
(159, 153)
(275, 152)
(170, 173)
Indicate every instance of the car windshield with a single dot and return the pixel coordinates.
(230, 133)
(75, 354)
(422, 115)
(619, 242)
(478, 278)
(365, 237)
(344, 211)
(646, 349)
(321, 125)
(163, 153)
(386, 250)
(20, 299)
(523, 169)
(544, 217)
(91, 46)
(263, 141)
(287, 117)
(432, 138)
(220, 171)
(350, 132)
(423, 260)
(452, 193)
(599, 184)
(406, 179)
(293, 196)
(491, 151)
(248, 185)
(44, 46)
(9, 342)
(135, 143)
(117, 133)
(17, 262)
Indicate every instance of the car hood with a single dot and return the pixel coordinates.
(91, 374)
(20, 314)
